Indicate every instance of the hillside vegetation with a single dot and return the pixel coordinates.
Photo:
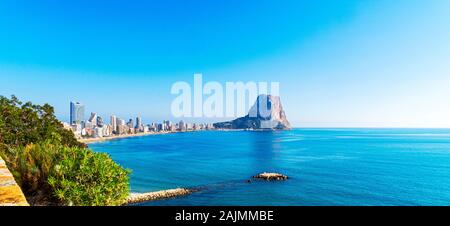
(50, 165)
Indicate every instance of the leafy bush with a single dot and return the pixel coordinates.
(31, 165)
(84, 177)
(55, 174)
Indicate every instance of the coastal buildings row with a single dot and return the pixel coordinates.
(96, 127)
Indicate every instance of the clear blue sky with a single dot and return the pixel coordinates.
(356, 63)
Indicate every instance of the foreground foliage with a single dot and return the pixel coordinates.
(24, 123)
(50, 165)
(84, 177)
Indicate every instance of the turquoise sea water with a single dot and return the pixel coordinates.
(326, 166)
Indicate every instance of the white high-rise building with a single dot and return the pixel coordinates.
(98, 132)
(120, 122)
(93, 118)
(113, 123)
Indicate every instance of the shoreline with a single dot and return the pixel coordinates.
(100, 139)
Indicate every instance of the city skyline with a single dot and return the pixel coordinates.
(81, 114)
(339, 64)
(95, 126)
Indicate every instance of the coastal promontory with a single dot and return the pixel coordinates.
(266, 114)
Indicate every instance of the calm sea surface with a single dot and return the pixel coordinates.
(326, 166)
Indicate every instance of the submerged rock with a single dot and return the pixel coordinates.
(266, 114)
(271, 176)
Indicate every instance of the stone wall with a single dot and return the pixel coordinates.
(10, 192)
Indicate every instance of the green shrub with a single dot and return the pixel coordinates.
(85, 177)
(31, 165)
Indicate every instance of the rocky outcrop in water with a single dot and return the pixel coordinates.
(266, 113)
(151, 196)
(271, 176)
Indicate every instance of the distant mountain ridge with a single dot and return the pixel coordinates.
(266, 114)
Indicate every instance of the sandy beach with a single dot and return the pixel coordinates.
(100, 139)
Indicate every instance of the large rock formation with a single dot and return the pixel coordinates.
(266, 113)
